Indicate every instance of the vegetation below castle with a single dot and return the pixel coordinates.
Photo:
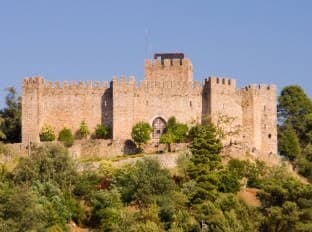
(46, 190)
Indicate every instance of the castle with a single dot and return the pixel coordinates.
(168, 89)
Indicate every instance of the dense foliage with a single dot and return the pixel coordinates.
(10, 118)
(83, 131)
(141, 133)
(102, 131)
(66, 137)
(45, 191)
(175, 133)
(47, 133)
(295, 128)
(48, 189)
(36, 195)
(286, 203)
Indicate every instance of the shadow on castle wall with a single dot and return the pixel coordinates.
(107, 108)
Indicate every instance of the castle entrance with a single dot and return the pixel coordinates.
(159, 126)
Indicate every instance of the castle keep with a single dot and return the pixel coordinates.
(247, 114)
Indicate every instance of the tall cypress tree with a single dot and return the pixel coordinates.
(205, 160)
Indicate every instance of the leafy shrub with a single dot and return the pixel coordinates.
(50, 162)
(179, 130)
(102, 131)
(167, 138)
(66, 136)
(141, 133)
(83, 130)
(47, 133)
(175, 133)
(6, 151)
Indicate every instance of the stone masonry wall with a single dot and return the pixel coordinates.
(123, 107)
(63, 105)
(170, 70)
(247, 115)
(31, 109)
(225, 109)
(168, 98)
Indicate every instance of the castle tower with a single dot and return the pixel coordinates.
(31, 109)
(169, 67)
(222, 106)
(123, 107)
(260, 117)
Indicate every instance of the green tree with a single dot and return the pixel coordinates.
(293, 103)
(179, 130)
(295, 127)
(285, 202)
(144, 182)
(106, 206)
(58, 206)
(175, 133)
(141, 133)
(168, 138)
(253, 171)
(50, 162)
(11, 115)
(83, 130)
(102, 131)
(66, 136)
(47, 133)
(304, 167)
(20, 209)
(2, 135)
(288, 143)
(228, 214)
(282, 219)
(293, 108)
(205, 161)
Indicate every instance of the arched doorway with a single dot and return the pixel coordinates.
(159, 126)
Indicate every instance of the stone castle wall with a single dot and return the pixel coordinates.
(247, 115)
(63, 105)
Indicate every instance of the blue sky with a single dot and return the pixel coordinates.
(252, 41)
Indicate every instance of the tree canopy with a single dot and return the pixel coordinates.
(295, 128)
(175, 133)
(10, 117)
(141, 133)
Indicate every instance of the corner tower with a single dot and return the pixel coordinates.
(169, 67)
(31, 108)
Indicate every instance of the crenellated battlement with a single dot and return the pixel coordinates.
(221, 82)
(123, 80)
(167, 63)
(76, 85)
(257, 89)
(162, 84)
(31, 82)
(35, 82)
(168, 68)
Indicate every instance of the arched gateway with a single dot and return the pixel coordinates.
(159, 126)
